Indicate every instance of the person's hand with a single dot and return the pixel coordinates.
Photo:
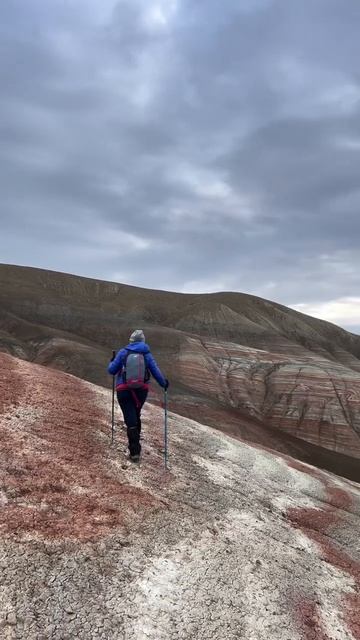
(166, 384)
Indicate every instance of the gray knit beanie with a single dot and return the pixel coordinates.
(137, 336)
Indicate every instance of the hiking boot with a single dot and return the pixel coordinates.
(135, 458)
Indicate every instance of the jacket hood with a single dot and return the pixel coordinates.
(138, 347)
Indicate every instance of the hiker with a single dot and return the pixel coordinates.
(133, 365)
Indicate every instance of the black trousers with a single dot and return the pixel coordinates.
(131, 402)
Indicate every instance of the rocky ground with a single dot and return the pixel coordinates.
(232, 542)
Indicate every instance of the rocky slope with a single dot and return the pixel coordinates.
(245, 365)
(313, 398)
(233, 542)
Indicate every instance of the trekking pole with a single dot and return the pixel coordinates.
(166, 456)
(113, 406)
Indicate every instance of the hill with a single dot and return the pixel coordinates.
(233, 542)
(248, 366)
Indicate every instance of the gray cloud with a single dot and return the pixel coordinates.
(184, 145)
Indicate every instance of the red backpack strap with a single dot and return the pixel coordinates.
(136, 399)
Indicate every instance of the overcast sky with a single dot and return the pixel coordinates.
(190, 145)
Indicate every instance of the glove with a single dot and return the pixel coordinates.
(166, 384)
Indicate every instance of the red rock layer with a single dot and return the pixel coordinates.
(54, 478)
(310, 397)
(318, 525)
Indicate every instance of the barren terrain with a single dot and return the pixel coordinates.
(235, 541)
(247, 366)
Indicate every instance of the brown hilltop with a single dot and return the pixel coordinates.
(251, 367)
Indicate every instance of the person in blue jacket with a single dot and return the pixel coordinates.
(131, 401)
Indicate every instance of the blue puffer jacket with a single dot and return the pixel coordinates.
(115, 367)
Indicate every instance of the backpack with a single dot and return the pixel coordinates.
(135, 372)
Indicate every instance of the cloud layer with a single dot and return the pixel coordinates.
(185, 145)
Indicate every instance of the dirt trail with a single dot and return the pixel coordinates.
(54, 470)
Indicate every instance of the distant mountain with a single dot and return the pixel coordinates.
(247, 366)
